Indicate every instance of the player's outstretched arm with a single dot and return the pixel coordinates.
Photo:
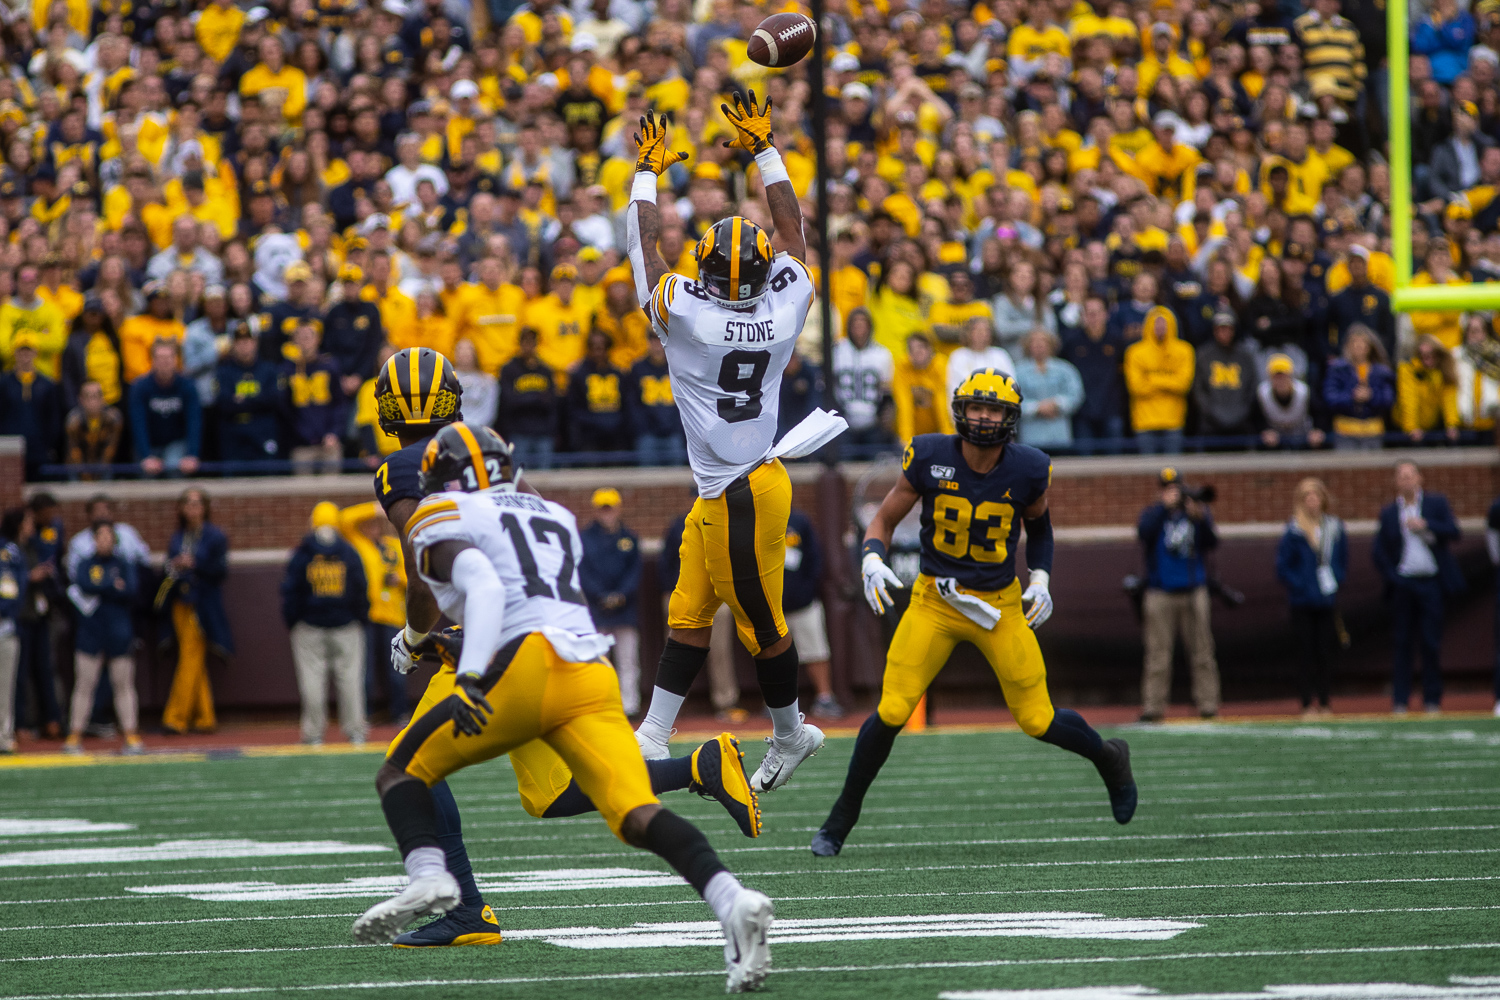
(642, 221)
(878, 577)
(754, 136)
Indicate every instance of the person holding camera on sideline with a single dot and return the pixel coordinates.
(1311, 562)
(1176, 534)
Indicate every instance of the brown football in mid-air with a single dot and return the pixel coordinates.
(782, 39)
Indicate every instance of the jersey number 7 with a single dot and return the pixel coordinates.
(742, 371)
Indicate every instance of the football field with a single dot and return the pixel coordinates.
(1264, 857)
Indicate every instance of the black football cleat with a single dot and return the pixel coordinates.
(826, 845)
(461, 927)
(719, 774)
(1119, 781)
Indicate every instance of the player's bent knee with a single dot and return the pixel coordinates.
(389, 776)
(894, 712)
(1034, 720)
(633, 827)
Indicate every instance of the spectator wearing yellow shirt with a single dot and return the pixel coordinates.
(276, 84)
(429, 328)
(1427, 392)
(622, 320)
(1166, 165)
(560, 323)
(138, 333)
(1444, 326)
(920, 390)
(950, 318)
(849, 287)
(366, 527)
(490, 315)
(1162, 59)
(397, 311)
(66, 298)
(589, 292)
(895, 309)
(218, 29)
(28, 313)
(1032, 42)
(374, 443)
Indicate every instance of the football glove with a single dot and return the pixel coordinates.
(1037, 600)
(470, 710)
(403, 657)
(652, 143)
(877, 575)
(445, 646)
(754, 126)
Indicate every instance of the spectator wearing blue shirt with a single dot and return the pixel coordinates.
(1097, 354)
(1311, 563)
(40, 538)
(166, 416)
(653, 409)
(1445, 37)
(1051, 392)
(30, 406)
(197, 564)
(597, 416)
(12, 598)
(316, 407)
(610, 574)
(325, 600)
(1413, 552)
(1176, 534)
(107, 585)
(1359, 391)
(801, 586)
(249, 402)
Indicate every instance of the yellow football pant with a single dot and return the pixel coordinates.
(190, 703)
(558, 720)
(734, 552)
(925, 639)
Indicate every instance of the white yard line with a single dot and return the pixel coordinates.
(793, 970)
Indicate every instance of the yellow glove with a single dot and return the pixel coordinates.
(754, 127)
(654, 154)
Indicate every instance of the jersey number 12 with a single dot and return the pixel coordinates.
(541, 527)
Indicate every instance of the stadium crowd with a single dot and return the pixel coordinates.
(1170, 220)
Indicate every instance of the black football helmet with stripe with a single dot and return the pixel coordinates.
(465, 459)
(734, 262)
(417, 389)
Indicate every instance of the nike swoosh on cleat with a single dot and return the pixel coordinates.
(771, 779)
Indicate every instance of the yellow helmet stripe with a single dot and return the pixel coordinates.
(472, 444)
(433, 387)
(413, 391)
(394, 374)
(734, 260)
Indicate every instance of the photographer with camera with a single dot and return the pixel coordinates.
(1176, 534)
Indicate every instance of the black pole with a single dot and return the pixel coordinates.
(820, 186)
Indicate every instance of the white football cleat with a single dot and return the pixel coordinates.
(383, 921)
(747, 953)
(651, 748)
(783, 758)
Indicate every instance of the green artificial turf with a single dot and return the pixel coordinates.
(1355, 852)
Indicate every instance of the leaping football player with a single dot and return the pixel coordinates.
(728, 337)
(504, 566)
(417, 394)
(976, 488)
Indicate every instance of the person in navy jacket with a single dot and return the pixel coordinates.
(106, 636)
(12, 595)
(610, 574)
(193, 594)
(1413, 554)
(1312, 562)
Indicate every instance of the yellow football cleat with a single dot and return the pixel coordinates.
(718, 774)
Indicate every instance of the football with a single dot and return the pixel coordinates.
(782, 39)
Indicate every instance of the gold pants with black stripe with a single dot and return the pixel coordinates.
(925, 639)
(558, 720)
(734, 552)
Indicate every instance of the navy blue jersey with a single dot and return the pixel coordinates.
(971, 522)
(396, 479)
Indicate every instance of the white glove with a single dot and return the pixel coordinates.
(877, 574)
(1038, 598)
(402, 660)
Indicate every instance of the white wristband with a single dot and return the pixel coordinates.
(772, 169)
(643, 188)
(1040, 578)
(413, 637)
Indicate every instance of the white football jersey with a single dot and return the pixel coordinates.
(726, 367)
(535, 548)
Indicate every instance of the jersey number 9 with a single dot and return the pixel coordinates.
(742, 371)
(954, 517)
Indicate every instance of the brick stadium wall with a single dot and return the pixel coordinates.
(1086, 493)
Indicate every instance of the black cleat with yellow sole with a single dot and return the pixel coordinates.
(719, 774)
(461, 927)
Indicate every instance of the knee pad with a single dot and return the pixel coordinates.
(894, 711)
(1034, 719)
